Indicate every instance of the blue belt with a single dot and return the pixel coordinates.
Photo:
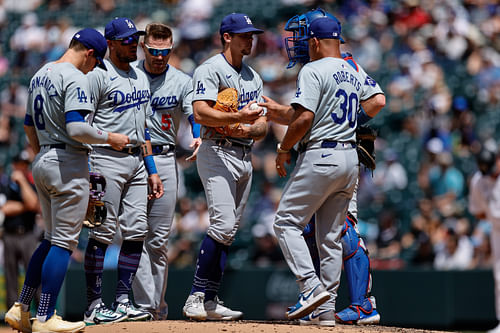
(162, 149)
(333, 144)
(326, 144)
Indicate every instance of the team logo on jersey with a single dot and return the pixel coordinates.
(200, 89)
(164, 103)
(246, 96)
(370, 82)
(128, 100)
(297, 94)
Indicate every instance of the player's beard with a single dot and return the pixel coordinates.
(127, 57)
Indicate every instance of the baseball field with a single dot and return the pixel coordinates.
(234, 327)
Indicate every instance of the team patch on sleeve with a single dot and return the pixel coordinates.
(370, 82)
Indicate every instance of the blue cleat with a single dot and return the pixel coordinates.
(307, 302)
(366, 314)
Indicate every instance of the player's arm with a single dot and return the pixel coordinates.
(154, 180)
(29, 129)
(370, 108)
(28, 194)
(256, 131)
(299, 125)
(83, 132)
(276, 112)
(206, 115)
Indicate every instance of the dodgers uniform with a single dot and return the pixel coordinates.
(325, 174)
(60, 169)
(121, 100)
(224, 163)
(171, 98)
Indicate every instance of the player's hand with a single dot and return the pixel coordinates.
(118, 141)
(155, 186)
(247, 115)
(276, 112)
(281, 159)
(195, 144)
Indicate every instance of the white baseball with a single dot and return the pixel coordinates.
(254, 106)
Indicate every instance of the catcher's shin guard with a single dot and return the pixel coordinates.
(356, 263)
(96, 211)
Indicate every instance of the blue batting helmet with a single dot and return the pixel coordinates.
(297, 49)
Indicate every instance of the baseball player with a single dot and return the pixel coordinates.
(59, 100)
(171, 99)
(484, 203)
(356, 262)
(329, 92)
(224, 163)
(121, 95)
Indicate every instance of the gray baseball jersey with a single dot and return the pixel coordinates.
(171, 98)
(215, 75)
(61, 174)
(334, 97)
(122, 100)
(55, 89)
(325, 174)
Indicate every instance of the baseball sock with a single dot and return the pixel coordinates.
(128, 262)
(33, 274)
(53, 273)
(208, 257)
(215, 277)
(94, 266)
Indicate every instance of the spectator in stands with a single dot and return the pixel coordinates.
(454, 253)
(20, 236)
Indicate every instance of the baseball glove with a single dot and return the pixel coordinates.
(227, 101)
(365, 137)
(96, 211)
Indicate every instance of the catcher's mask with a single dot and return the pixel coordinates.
(298, 50)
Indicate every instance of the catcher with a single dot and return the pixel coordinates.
(356, 262)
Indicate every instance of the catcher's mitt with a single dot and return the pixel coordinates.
(96, 211)
(365, 137)
(227, 101)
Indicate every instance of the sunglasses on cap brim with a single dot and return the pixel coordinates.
(129, 40)
(157, 52)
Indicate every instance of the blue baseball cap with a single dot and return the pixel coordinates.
(93, 39)
(121, 27)
(238, 23)
(323, 28)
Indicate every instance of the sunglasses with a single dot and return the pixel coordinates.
(156, 52)
(129, 40)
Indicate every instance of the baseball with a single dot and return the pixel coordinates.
(254, 106)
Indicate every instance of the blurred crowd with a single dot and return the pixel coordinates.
(438, 62)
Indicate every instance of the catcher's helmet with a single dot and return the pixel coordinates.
(298, 50)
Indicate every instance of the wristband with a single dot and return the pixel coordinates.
(363, 117)
(279, 150)
(149, 162)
